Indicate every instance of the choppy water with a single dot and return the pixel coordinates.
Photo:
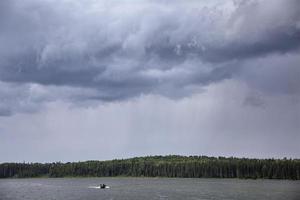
(147, 188)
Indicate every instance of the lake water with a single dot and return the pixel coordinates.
(147, 188)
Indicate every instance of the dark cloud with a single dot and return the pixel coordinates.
(273, 74)
(122, 50)
(207, 77)
(5, 112)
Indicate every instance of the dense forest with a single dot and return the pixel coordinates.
(161, 166)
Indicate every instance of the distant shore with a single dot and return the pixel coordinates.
(172, 166)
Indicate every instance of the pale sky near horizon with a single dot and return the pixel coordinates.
(99, 79)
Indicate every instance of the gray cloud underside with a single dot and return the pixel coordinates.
(108, 51)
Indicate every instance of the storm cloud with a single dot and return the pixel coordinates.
(115, 55)
(124, 49)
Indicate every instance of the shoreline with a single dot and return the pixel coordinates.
(143, 177)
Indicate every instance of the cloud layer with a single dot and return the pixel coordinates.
(148, 77)
(120, 50)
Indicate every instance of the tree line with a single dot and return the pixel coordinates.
(161, 166)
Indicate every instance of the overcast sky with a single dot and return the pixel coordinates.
(101, 79)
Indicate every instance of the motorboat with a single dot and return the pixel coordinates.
(103, 186)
